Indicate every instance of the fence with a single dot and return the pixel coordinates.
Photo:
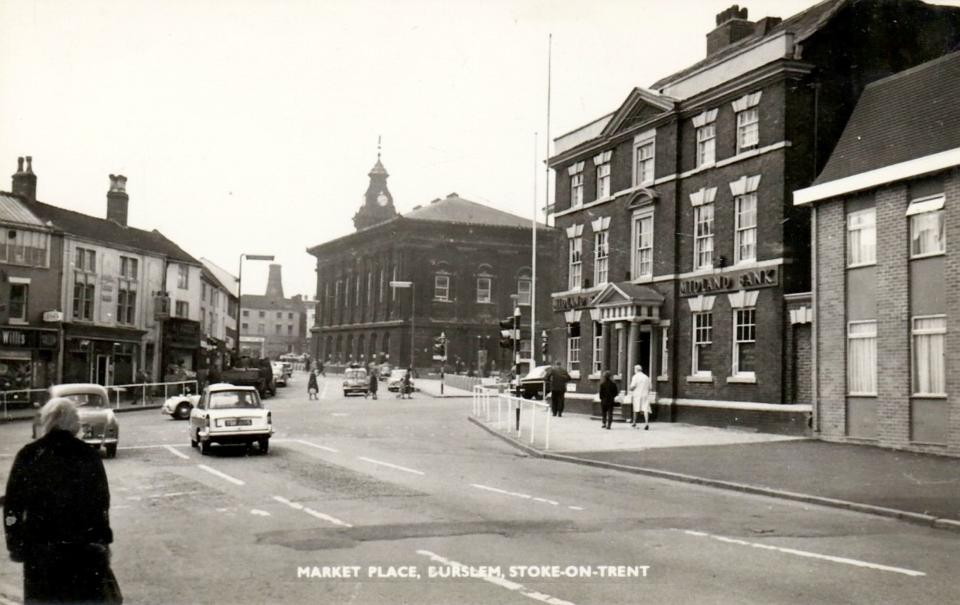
(22, 403)
(515, 415)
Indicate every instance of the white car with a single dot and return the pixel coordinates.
(98, 423)
(228, 414)
(179, 406)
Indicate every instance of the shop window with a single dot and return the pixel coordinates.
(524, 290)
(643, 245)
(862, 237)
(862, 358)
(746, 228)
(441, 288)
(929, 368)
(573, 347)
(597, 347)
(927, 233)
(702, 342)
(703, 237)
(575, 255)
(19, 297)
(744, 342)
(483, 289)
(601, 257)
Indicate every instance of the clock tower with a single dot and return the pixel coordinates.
(377, 201)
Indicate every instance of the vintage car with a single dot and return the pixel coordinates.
(532, 385)
(279, 373)
(385, 370)
(355, 380)
(229, 414)
(179, 406)
(396, 380)
(98, 423)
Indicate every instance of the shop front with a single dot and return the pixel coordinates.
(181, 346)
(100, 354)
(28, 360)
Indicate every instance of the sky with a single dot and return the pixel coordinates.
(250, 126)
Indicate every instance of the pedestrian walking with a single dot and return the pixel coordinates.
(374, 382)
(608, 396)
(640, 397)
(57, 514)
(312, 386)
(557, 379)
(406, 387)
(320, 368)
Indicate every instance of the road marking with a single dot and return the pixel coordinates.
(214, 471)
(339, 414)
(395, 466)
(261, 513)
(311, 512)
(811, 555)
(575, 507)
(499, 581)
(519, 495)
(319, 447)
(174, 451)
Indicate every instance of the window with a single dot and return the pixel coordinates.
(603, 180)
(289, 330)
(575, 246)
(261, 329)
(573, 347)
(203, 287)
(441, 287)
(862, 237)
(182, 308)
(128, 267)
(183, 277)
(702, 340)
(645, 158)
(744, 341)
(926, 227)
(356, 294)
(746, 228)
(27, 248)
(262, 314)
(748, 131)
(381, 284)
(483, 289)
(664, 353)
(19, 295)
(643, 246)
(524, 291)
(576, 190)
(706, 144)
(336, 294)
(862, 358)
(289, 315)
(244, 327)
(203, 316)
(929, 370)
(369, 290)
(597, 347)
(703, 237)
(601, 253)
(86, 260)
(279, 329)
(346, 292)
(126, 305)
(83, 297)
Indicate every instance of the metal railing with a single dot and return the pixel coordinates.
(23, 402)
(511, 414)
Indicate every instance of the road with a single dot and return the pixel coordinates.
(361, 501)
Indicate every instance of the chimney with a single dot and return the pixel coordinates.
(25, 181)
(117, 199)
(732, 25)
(275, 282)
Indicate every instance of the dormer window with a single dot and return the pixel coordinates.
(602, 162)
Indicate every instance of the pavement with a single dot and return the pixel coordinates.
(431, 386)
(919, 488)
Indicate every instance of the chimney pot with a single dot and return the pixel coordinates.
(25, 181)
(118, 201)
(19, 164)
(29, 165)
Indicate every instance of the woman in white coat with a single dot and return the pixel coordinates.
(640, 397)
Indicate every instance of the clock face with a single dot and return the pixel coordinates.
(382, 199)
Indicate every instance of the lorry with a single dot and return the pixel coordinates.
(257, 373)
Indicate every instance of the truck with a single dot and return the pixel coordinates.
(250, 372)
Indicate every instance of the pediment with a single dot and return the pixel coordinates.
(622, 293)
(640, 106)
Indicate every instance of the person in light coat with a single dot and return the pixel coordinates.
(640, 397)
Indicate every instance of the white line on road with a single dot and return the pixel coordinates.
(319, 447)
(174, 451)
(214, 471)
(311, 512)
(498, 581)
(575, 507)
(258, 512)
(519, 495)
(811, 555)
(395, 466)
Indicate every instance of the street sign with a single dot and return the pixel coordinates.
(400, 284)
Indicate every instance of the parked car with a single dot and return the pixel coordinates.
(396, 380)
(385, 370)
(287, 369)
(98, 423)
(229, 414)
(532, 385)
(355, 381)
(279, 373)
(179, 406)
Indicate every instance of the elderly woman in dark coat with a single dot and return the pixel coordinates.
(56, 513)
(608, 397)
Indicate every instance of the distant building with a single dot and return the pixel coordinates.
(886, 213)
(218, 313)
(279, 321)
(463, 260)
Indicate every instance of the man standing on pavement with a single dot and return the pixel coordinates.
(640, 396)
(558, 379)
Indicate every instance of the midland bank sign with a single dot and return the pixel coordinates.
(730, 282)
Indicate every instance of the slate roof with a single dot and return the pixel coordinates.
(801, 25)
(110, 232)
(15, 210)
(455, 209)
(909, 115)
(227, 280)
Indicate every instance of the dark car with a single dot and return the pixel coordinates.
(532, 385)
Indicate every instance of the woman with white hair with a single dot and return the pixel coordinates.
(640, 397)
(56, 513)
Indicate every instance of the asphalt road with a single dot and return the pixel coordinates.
(362, 501)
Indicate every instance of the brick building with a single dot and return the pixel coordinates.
(888, 330)
(278, 322)
(464, 261)
(684, 252)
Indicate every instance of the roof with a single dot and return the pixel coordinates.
(455, 209)
(15, 210)
(110, 232)
(625, 291)
(261, 302)
(909, 115)
(801, 25)
(227, 280)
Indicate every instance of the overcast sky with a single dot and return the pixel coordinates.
(250, 126)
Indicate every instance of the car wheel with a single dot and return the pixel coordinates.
(182, 412)
(111, 450)
(264, 444)
(204, 447)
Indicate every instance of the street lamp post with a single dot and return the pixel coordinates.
(413, 313)
(266, 257)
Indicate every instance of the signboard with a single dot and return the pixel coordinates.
(574, 301)
(52, 316)
(28, 339)
(731, 281)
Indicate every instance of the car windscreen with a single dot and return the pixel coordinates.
(356, 374)
(90, 400)
(233, 399)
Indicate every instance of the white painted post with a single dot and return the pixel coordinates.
(546, 444)
(533, 421)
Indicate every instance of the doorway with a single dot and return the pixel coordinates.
(102, 370)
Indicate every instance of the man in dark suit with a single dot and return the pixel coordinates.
(557, 379)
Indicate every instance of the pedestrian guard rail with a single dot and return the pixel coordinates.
(528, 420)
(23, 402)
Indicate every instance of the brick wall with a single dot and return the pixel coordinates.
(829, 328)
(952, 278)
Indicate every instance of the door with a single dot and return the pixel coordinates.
(102, 370)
